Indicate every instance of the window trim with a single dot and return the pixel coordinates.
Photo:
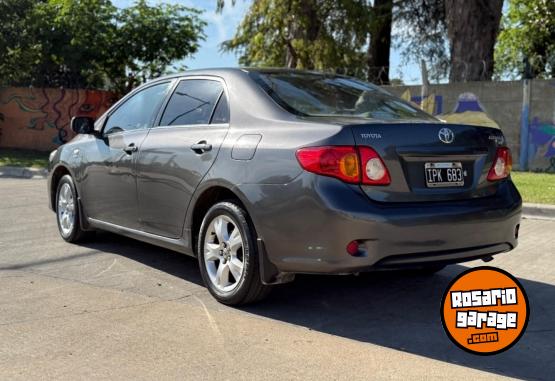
(126, 98)
(178, 80)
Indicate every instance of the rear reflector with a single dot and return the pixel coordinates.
(353, 248)
(502, 164)
(351, 164)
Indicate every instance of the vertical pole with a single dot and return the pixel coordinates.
(425, 90)
(524, 125)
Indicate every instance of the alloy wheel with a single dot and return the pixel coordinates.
(223, 253)
(66, 209)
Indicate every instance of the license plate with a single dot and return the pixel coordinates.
(444, 174)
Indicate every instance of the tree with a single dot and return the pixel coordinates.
(19, 51)
(380, 41)
(90, 43)
(421, 33)
(472, 28)
(528, 32)
(150, 38)
(309, 34)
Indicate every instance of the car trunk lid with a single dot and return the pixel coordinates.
(431, 161)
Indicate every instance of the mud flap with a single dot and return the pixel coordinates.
(269, 273)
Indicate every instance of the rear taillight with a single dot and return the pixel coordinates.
(347, 163)
(335, 161)
(502, 164)
(374, 171)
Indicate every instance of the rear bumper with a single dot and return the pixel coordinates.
(307, 224)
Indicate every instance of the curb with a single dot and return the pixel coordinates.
(23, 173)
(538, 211)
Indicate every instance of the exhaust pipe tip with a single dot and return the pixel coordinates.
(489, 258)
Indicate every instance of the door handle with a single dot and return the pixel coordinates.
(131, 148)
(201, 147)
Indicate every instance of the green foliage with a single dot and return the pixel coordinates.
(19, 50)
(91, 43)
(528, 30)
(421, 33)
(309, 34)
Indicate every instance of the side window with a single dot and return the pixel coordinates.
(221, 113)
(139, 111)
(192, 102)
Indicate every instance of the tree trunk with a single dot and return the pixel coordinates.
(472, 28)
(309, 31)
(380, 42)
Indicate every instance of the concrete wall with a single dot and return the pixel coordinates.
(38, 119)
(497, 104)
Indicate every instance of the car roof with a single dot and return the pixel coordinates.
(223, 71)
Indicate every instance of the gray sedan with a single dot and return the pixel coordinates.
(266, 173)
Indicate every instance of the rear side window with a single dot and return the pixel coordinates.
(192, 102)
(221, 113)
(315, 94)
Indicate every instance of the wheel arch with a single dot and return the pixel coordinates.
(207, 197)
(55, 177)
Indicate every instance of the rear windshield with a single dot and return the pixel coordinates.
(314, 94)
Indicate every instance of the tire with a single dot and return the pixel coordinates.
(220, 252)
(67, 211)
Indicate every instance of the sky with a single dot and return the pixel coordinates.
(222, 26)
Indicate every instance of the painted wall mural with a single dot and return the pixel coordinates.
(503, 105)
(38, 119)
(542, 144)
(468, 109)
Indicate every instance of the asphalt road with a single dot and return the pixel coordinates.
(113, 308)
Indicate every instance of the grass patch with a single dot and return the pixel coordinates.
(23, 158)
(535, 187)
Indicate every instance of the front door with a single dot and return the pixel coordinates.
(109, 184)
(176, 154)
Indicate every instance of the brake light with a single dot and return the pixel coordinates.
(502, 164)
(336, 161)
(350, 164)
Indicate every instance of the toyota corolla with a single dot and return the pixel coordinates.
(266, 173)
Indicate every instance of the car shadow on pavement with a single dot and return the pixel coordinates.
(398, 310)
(168, 261)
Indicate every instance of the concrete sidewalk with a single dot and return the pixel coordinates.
(23, 172)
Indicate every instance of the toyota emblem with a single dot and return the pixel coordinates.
(446, 135)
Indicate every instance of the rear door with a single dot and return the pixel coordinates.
(431, 161)
(179, 151)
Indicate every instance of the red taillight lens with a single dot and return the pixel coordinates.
(347, 163)
(374, 171)
(335, 161)
(502, 164)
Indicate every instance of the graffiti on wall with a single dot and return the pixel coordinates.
(39, 118)
(468, 109)
(542, 143)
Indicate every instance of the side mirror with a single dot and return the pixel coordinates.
(82, 125)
